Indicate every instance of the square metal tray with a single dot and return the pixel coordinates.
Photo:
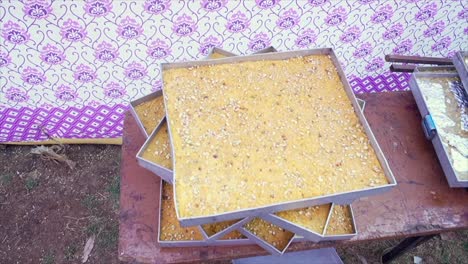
(459, 61)
(430, 129)
(340, 198)
(138, 101)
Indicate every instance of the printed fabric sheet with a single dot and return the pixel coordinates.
(68, 69)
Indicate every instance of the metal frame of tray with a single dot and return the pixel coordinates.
(340, 198)
(177, 243)
(161, 171)
(214, 240)
(305, 234)
(227, 230)
(431, 131)
(138, 101)
(462, 68)
(265, 245)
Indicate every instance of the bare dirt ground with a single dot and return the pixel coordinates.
(48, 211)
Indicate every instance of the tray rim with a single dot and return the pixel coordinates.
(461, 67)
(265, 245)
(176, 243)
(140, 100)
(227, 230)
(342, 197)
(161, 171)
(340, 236)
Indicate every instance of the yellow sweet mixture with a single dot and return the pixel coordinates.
(170, 229)
(151, 113)
(312, 218)
(159, 149)
(273, 234)
(233, 235)
(341, 221)
(252, 134)
(211, 229)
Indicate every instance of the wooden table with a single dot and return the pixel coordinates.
(421, 204)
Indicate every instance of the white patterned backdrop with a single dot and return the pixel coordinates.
(70, 68)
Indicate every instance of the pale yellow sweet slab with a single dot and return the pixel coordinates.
(251, 134)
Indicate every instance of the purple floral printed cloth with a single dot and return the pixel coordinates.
(70, 68)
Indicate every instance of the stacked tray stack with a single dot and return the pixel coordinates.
(217, 190)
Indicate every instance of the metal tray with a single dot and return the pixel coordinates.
(161, 171)
(213, 54)
(459, 61)
(430, 129)
(305, 234)
(264, 244)
(340, 198)
(176, 243)
(138, 101)
(437, 69)
(231, 242)
(224, 53)
(214, 240)
(218, 236)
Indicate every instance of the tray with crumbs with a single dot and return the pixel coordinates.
(155, 154)
(148, 111)
(309, 222)
(271, 237)
(340, 225)
(172, 234)
(460, 61)
(229, 118)
(443, 104)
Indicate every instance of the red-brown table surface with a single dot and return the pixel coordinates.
(421, 203)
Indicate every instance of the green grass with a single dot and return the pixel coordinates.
(91, 202)
(6, 179)
(49, 258)
(31, 183)
(114, 190)
(95, 226)
(70, 251)
(109, 236)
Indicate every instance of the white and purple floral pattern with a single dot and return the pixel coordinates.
(71, 67)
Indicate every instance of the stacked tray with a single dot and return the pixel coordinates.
(275, 224)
